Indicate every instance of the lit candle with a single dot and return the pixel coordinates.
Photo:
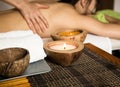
(63, 47)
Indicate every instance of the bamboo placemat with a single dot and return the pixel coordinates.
(90, 70)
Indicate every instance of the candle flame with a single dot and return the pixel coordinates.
(64, 45)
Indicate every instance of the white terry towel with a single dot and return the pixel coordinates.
(99, 41)
(24, 39)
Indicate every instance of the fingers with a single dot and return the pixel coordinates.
(34, 18)
(43, 19)
(39, 21)
(36, 24)
(30, 24)
(39, 24)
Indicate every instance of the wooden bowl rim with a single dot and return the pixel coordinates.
(79, 46)
(19, 59)
(57, 35)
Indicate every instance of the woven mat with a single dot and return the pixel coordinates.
(88, 71)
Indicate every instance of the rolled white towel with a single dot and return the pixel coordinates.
(24, 39)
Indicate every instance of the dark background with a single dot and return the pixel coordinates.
(105, 4)
(102, 4)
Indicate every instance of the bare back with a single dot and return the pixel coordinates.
(60, 16)
(56, 15)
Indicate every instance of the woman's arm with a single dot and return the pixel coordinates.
(93, 26)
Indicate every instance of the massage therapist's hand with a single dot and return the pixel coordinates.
(31, 12)
(33, 16)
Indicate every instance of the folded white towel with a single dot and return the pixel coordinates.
(24, 39)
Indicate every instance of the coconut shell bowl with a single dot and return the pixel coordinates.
(63, 52)
(13, 61)
(70, 34)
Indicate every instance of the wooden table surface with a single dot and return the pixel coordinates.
(23, 82)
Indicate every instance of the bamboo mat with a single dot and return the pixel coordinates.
(90, 70)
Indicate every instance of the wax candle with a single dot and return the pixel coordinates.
(63, 47)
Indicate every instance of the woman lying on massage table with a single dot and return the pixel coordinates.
(61, 16)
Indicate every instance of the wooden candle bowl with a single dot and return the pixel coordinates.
(63, 57)
(70, 34)
(13, 61)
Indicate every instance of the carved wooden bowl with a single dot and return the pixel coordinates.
(13, 61)
(63, 57)
(70, 34)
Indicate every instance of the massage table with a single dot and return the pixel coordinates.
(98, 41)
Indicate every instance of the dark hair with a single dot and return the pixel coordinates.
(72, 2)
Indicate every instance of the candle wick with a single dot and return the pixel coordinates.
(64, 48)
